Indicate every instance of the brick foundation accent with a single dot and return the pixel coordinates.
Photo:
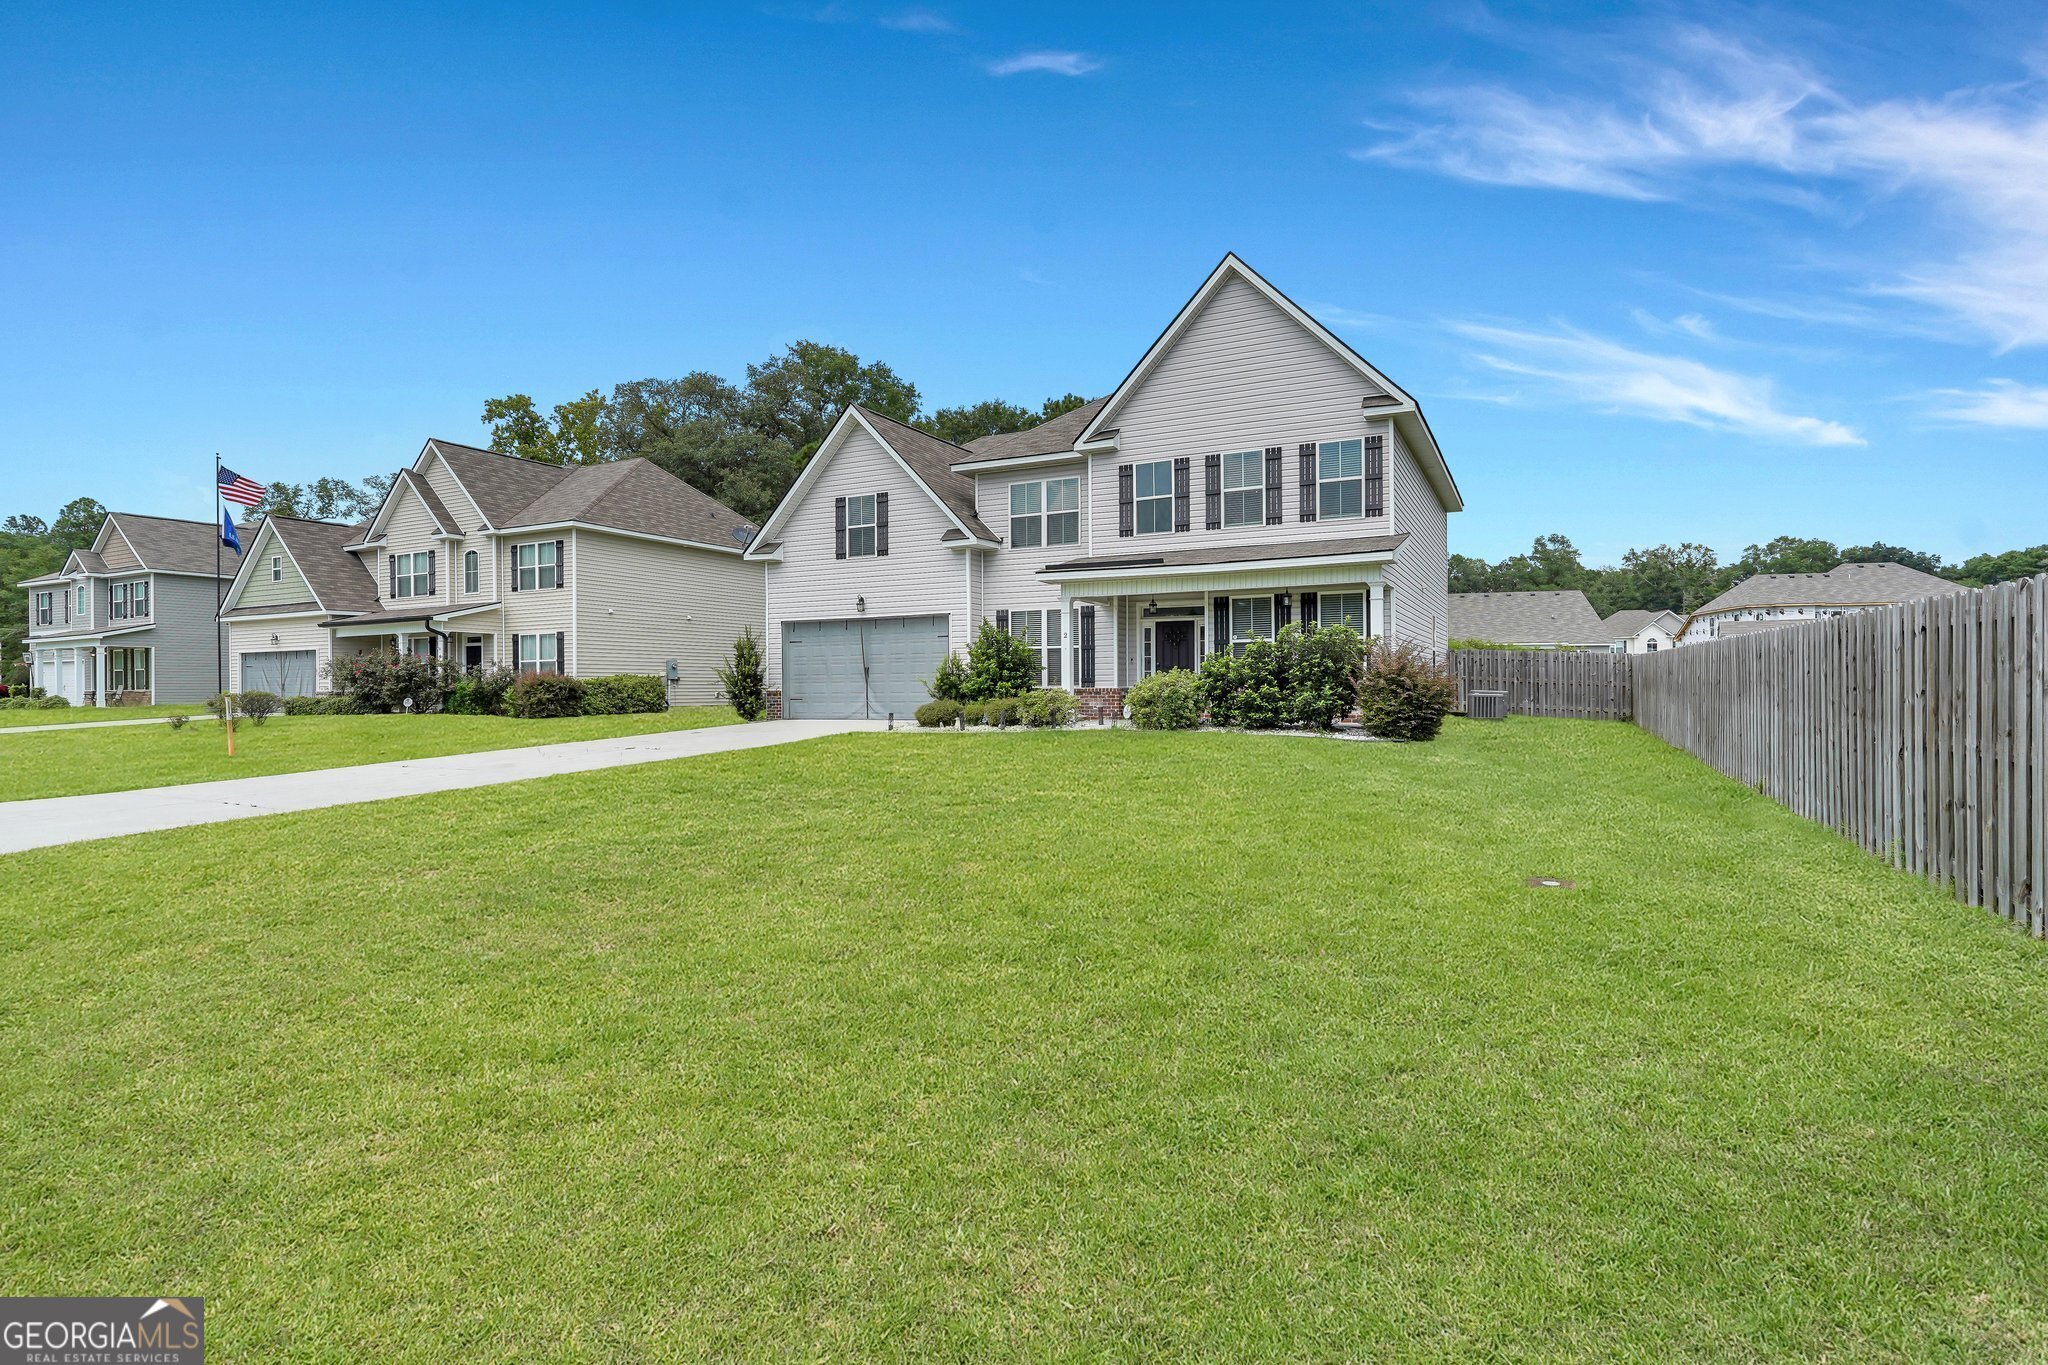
(774, 700)
(1100, 703)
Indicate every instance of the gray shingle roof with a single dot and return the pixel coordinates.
(1528, 618)
(1624, 624)
(338, 577)
(1046, 438)
(932, 460)
(88, 562)
(1756, 627)
(502, 486)
(1845, 585)
(624, 495)
(272, 609)
(1233, 554)
(177, 546)
(433, 501)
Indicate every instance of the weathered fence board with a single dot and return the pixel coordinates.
(1920, 731)
(1573, 684)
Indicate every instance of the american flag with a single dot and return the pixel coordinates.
(235, 488)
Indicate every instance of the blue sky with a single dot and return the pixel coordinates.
(1714, 274)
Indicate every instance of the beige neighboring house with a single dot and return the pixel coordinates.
(1549, 619)
(1774, 600)
(1639, 630)
(488, 559)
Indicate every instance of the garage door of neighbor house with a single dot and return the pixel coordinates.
(861, 668)
(69, 681)
(289, 673)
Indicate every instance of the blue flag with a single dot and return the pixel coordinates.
(227, 531)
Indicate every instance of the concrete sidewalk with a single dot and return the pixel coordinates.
(108, 815)
(95, 725)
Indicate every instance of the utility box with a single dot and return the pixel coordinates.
(1486, 705)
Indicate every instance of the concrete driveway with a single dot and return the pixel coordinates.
(108, 815)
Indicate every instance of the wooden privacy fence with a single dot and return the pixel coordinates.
(1590, 685)
(1920, 731)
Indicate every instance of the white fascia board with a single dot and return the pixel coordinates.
(518, 532)
(1019, 462)
(828, 449)
(1228, 566)
(241, 579)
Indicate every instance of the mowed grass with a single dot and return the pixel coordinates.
(1096, 1045)
(86, 715)
(130, 757)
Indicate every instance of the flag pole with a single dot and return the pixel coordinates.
(227, 705)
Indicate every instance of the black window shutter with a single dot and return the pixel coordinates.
(391, 562)
(1212, 492)
(1375, 476)
(512, 571)
(1126, 524)
(881, 523)
(1365, 613)
(562, 652)
(1308, 610)
(1180, 494)
(1219, 634)
(430, 573)
(839, 528)
(1308, 480)
(561, 564)
(1273, 516)
(1283, 610)
(1003, 622)
(1087, 646)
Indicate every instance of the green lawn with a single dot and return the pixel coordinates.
(86, 715)
(1098, 1044)
(125, 758)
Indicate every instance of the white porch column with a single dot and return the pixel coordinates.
(1378, 589)
(100, 673)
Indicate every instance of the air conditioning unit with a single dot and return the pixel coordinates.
(1486, 705)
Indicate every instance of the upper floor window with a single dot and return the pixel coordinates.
(277, 568)
(1251, 618)
(1244, 488)
(860, 524)
(82, 600)
(412, 575)
(46, 608)
(1341, 609)
(1045, 513)
(469, 571)
(129, 599)
(1152, 496)
(1340, 479)
(538, 567)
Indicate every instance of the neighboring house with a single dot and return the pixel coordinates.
(133, 619)
(490, 559)
(1535, 620)
(1250, 471)
(1770, 600)
(1642, 631)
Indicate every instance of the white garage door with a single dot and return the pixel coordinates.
(289, 672)
(861, 667)
(64, 676)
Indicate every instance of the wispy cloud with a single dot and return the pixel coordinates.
(1588, 369)
(2001, 403)
(1715, 114)
(917, 20)
(1048, 61)
(1685, 324)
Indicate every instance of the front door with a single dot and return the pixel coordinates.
(473, 654)
(1174, 644)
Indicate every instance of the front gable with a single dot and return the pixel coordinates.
(869, 459)
(254, 585)
(113, 548)
(434, 469)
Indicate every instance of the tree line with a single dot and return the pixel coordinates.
(1683, 578)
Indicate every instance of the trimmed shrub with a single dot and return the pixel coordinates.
(1166, 701)
(547, 696)
(999, 664)
(619, 694)
(48, 703)
(950, 682)
(482, 693)
(937, 712)
(259, 706)
(1319, 668)
(1405, 694)
(1244, 689)
(743, 677)
(321, 706)
(974, 712)
(1048, 708)
(999, 711)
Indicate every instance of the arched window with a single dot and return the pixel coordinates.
(469, 572)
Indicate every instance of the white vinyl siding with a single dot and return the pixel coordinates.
(1418, 576)
(1008, 578)
(640, 603)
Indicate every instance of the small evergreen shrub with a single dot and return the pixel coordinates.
(620, 694)
(482, 693)
(1048, 708)
(999, 711)
(974, 712)
(1319, 670)
(1166, 701)
(1245, 689)
(49, 703)
(321, 706)
(999, 664)
(940, 711)
(743, 677)
(259, 706)
(950, 682)
(1405, 694)
(547, 696)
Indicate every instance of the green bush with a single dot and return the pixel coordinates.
(619, 694)
(1245, 689)
(1405, 694)
(1048, 708)
(1300, 677)
(321, 706)
(481, 693)
(1166, 701)
(393, 681)
(48, 703)
(999, 664)
(259, 706)
(950, 683)
(937, 712)
(547, 696)
(743, 677)
(974, 712)
(999, 711)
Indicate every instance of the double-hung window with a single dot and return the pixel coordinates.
(277, 568)
(84, 598)
(536, 654)
(411, 575)
(128, 670)
(1041, 630)
(1244, 488)
(1251, 618)
(1152, 495)
(469, 571)
(1340, 479)
(129, 599)
(1045, 513)
(537, 567)
(860, 525)
(46, 608)
(1341, 609)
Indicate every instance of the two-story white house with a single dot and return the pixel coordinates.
(131, 621)
(488, 559)
(1250, 471)
(1771, 601)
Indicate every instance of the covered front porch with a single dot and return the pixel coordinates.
(473, 638)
